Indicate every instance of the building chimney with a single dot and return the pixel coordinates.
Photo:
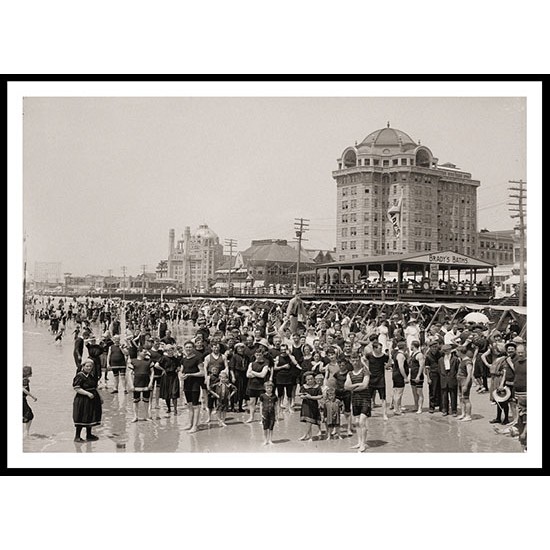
(171, 241)
(186, 271)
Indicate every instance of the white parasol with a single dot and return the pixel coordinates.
(476, 317)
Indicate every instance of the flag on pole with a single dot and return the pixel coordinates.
(394, 214)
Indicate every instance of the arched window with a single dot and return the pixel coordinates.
(350, 159)
(423, 158)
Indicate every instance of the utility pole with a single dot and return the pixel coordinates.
(123, 282)
(143, 268)
(301, 225)
(230, 243)
(517, 209)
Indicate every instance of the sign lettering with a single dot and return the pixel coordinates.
(448, 259)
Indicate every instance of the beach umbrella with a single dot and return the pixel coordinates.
(476, 317)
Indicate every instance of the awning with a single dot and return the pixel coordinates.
(514, 280)
(258, 284)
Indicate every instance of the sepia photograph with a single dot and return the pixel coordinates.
(274, 274)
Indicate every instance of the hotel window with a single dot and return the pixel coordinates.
(354, 256)
(365, 230)
(375, 203)
(353, 245)
(344, 205)
(365, 244)
(376, 162)
(366, 202)
(344, 246)
(353, 231)
(367, 162)
(427, 246)
(403, 162)
(354, 190)
(344, 232)
(395, 245)
(375, 245)
(353, 217)
(395, 162)
(366, 216)
(344, 218)
(367, 190)
(375, 217)
(353, 203)
(375, 231)
(385, 163)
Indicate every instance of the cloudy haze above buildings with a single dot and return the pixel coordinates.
(106, 178)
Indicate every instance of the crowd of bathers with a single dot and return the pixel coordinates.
(329, 360)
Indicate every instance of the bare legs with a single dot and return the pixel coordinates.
(361, 423)
(466, 409)
(397, 397)
(251, 409)
(195, 413)
(384, 410)
(349, 420)
(146, 408)
(419, 398)
(268, 437)
(307, 433)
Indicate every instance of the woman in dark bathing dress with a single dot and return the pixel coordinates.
(87, 404)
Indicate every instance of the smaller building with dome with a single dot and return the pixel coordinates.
(194, 258)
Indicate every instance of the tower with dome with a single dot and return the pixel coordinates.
(194, 258)
(393, 197)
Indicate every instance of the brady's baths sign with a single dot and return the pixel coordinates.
(445, 258)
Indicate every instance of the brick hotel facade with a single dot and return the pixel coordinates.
(394, 198)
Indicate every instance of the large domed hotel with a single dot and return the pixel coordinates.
(394, 198)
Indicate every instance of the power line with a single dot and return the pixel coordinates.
(500, 203)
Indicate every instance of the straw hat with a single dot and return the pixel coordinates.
(263, 342)
(502, 395)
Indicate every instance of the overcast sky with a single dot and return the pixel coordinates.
(106, 178)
